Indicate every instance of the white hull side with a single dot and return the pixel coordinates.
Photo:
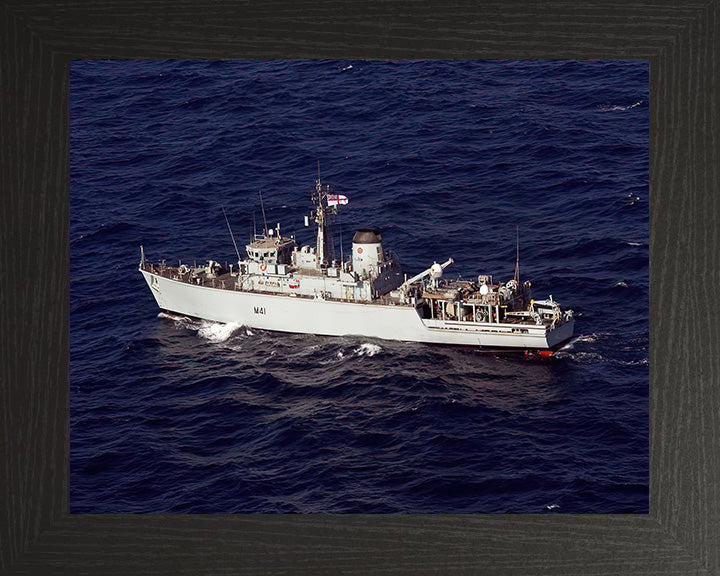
(330, 318)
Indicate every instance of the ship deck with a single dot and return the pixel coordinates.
(228, 282)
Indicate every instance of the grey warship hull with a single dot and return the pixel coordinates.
(327, 317)
(309, 315)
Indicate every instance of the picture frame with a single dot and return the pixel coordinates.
(678, 536)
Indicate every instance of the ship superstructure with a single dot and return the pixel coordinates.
(286, 287)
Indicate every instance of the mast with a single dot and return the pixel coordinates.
(341, 242)
(323, 216)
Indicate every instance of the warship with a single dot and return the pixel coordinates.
(284, 287)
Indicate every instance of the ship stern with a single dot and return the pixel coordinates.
(561, 334)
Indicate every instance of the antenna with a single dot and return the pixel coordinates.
(341, 242)
(318, 170)
(263, 211)
(254, 229)
(517, 254)
(231, 234)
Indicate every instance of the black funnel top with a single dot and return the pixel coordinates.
(367, 236)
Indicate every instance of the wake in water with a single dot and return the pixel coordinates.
(216, 332)
(568, 351)
(583, 349)
(211, 331)
(583, 338)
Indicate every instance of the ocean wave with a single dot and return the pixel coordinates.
(368, 349)
(365, 349)
(620, 108)
(217, 332)
(108, 230)
(580, 357)
(641, 362)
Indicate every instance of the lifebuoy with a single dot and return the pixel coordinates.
(360, 250)
(263, 267)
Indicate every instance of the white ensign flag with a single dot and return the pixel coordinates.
(335, 199)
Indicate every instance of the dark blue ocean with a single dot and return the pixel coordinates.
(446, 158)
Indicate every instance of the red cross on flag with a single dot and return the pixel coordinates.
(335, 199)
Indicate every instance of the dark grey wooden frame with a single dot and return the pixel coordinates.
(680, 535)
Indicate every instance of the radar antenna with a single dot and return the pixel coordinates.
(231, 234)
(265, 230)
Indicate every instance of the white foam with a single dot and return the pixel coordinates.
(620, 108)
(633, 243)
(346, 68)
(641, 362)
(180, 321)
(569, 345)
(587, 357)
(211, 331)
(621, 284)
(215, 331)
(588, 337)
(368, 349)
(170, 316)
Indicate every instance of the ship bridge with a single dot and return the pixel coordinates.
(270, 249)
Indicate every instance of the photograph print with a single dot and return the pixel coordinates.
(359, 286)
